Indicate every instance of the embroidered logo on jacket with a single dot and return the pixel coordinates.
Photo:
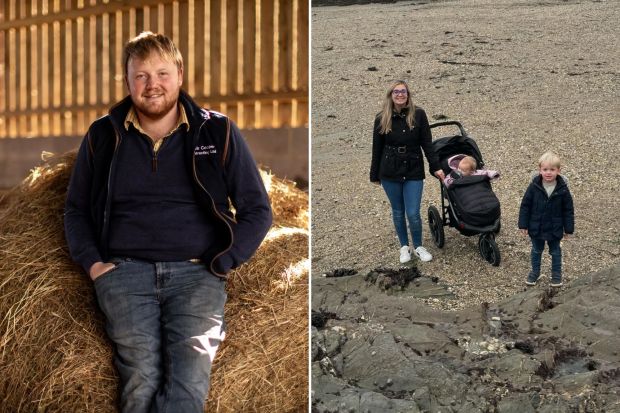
(203, 150)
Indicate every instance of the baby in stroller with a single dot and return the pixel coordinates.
(464, 165)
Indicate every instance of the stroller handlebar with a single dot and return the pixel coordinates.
(448, 123)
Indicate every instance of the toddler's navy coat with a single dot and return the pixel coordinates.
(547, 217)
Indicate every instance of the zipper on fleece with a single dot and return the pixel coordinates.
(156, 148)
(217, 213)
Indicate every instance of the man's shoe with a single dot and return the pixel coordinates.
(556, 284)
(405, 255)
(530, 283)
(422, 254)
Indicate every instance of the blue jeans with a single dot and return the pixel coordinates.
(405, 198)
(538, 246)
(166, 320)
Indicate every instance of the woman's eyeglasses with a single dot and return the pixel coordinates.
(399, 92)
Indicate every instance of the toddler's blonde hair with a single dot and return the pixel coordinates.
(551, 159)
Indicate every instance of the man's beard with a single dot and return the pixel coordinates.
(157, 112)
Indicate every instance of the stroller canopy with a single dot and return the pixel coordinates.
(453, 145)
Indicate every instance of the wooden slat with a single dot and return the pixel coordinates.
(67, 119)
(285, 46)
(17, 74)
(186, 25)
(47, 50)
(230, 81)
(303, 48)
(55, 56)
(22, 124)
(249, 46)
(68, 59)
(197, 45)
(3, 78)
(208, 40)
(267, 45)
(81, 76)
(10, 11)
(106, 70)
(121, 39)
(168, 20)
(94, 49)
(33, 84)
(113, 62)
(19, 8)
(248, 51)
(153, 20)
(284, 114)
(215, 55)
(146, 19)
(160, 19)
(173, 33)
(139, 20)
(303, 114)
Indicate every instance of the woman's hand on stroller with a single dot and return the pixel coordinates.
(439, 174)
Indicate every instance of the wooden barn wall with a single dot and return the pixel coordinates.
(60, 60)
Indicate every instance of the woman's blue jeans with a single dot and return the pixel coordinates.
(538, 246)
(166, 320)
(405, 198)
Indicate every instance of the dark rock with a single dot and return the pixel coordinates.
(341, 272)
(392, 353)
(319, 318)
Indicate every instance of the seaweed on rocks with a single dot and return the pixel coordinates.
(387, 278)
(341, 272)
(319, 318)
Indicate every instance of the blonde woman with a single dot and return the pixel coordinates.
(401, 133)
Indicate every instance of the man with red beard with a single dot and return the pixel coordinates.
(148, 217)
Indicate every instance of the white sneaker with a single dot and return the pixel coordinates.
(405, 255)
(422, 254)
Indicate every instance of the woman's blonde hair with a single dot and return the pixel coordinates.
(551, 159)
(145, 43)
(385, 122)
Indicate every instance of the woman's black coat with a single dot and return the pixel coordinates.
(397, 155)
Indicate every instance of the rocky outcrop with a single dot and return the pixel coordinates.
(542, 350)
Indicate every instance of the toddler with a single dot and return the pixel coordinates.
(546, 215)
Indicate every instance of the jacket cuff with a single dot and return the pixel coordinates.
(223, 264)
(88, 262)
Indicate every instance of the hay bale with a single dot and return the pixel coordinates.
(54, 355)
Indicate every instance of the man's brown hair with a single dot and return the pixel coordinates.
(145, 43)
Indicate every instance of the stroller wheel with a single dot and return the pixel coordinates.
(499, 228)
(488, 249)
(435, 224)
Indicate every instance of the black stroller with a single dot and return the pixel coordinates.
(468, 204)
